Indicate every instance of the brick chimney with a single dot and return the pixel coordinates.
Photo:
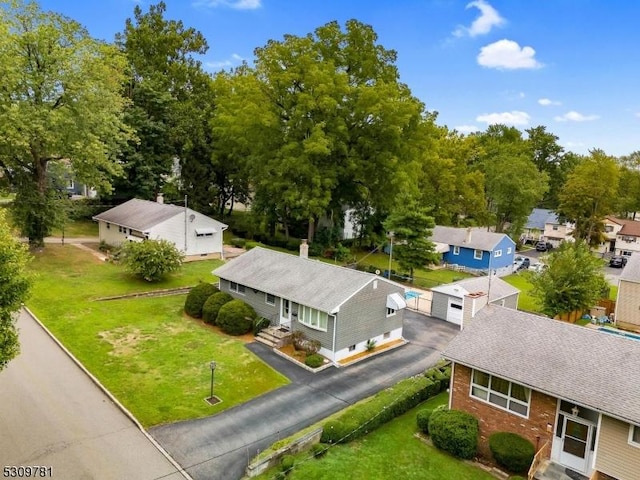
(304, 249)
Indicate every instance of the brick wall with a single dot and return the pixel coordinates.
(492, 419)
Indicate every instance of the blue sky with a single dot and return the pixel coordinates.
(571, 65)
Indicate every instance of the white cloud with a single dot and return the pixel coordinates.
(467, 128)
(574, 116)
(514, 117)
(235, 59)
(508, 55)
(235, 4)
(547, 102)
(489, 18)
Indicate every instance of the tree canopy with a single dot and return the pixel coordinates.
(573, 281)
(15, 283)
(60, 102)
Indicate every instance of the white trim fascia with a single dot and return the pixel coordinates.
(597, 441)
(336, 309)
(453, 369)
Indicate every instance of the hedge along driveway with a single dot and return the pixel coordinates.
(151, 356)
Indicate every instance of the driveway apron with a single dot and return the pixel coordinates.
(220, 447)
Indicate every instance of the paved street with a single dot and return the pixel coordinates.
(219, 447)
(53, 415)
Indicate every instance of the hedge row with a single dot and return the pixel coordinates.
(381, 408)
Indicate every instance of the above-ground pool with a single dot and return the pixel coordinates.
(410, 295)
(620, 333)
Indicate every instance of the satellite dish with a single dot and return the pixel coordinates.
(192, 217)
(377, 272)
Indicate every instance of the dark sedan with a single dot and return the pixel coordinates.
(618, 261)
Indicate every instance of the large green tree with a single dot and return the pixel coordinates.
(629, 186)
(60, 101)
(589, 194)
(573, 281)
(15, 286)
(410, 225)
(162, 74)
(334, 126)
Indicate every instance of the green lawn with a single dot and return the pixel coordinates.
(391, 451)
(78, 229)
(526, 301)
(145, 351)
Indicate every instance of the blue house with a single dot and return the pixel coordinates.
(475, 249)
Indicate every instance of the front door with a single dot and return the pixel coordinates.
(576, 442)
(285, 312)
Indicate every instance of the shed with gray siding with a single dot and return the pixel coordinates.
(448, 302)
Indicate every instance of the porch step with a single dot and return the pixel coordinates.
(552, 471)
(273, 337)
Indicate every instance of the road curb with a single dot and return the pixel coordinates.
(104, 390)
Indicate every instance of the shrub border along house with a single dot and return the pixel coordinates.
(512, 451)
(455, 431)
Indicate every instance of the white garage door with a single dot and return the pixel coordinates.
(454, 312)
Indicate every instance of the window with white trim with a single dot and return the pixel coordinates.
(502, 393)
(236, 287)
(456, 250)
(313, 318)
(497, 253)
(269, 299)
(508, 250)
(477, 254)
(391, 312)
(634, 435)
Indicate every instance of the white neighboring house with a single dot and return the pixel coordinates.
(136, 220)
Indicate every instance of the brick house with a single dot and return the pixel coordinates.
(342, 308)
(574, 392)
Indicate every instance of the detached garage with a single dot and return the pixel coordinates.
(448, 302)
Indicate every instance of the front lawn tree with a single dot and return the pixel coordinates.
(152, 259)
(14, 288)
(60, 102)
(410, 226)
(573, 281)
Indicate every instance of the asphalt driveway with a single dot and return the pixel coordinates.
(220, 447)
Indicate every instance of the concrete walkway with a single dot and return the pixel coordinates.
(221, 446)
(53, 415)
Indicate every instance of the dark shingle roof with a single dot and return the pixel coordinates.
(539, 217)
(309, 282)
(139, 214)
(592, 368)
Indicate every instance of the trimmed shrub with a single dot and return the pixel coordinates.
(197, 297)
(440, 374)
(238, 242)
(151, 260)
(235, 317)
(512, 451)
(319, 449)
(314, 360)
(212, 306)
(259, 324)
(287, 463)
(454, 431)
(422, 419)
(382, 407)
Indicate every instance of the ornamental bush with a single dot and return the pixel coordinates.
(151, 260)
(422, 419)
(236, 317)
(212, 306)
(454, 431)
(513, 452)
(197, 298)
(319, 449)
(314, 360)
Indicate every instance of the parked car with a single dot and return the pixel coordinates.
(618, 261)
(538, 267)
(543, 246)
(525, 263)
(517, 262)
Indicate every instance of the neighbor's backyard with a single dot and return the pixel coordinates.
(151, 356)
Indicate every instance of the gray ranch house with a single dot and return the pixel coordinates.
(340, 307)
(137, 220)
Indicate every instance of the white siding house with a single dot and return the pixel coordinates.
(136, 220)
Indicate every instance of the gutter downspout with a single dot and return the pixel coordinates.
(335, 329)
